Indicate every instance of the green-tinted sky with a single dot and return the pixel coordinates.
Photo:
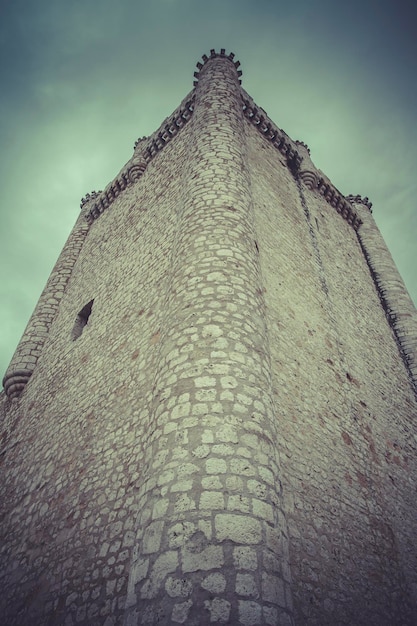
(81, 80)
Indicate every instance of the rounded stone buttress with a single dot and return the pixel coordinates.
(399, 308)
(33, 339)
(212, 543)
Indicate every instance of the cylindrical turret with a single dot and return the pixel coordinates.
(30, 346)
(212, 543)
(393, 294)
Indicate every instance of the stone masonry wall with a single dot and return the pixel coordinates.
(30, 346)
(211, 525)
(346, 407)
(73, 443)
(231, 438)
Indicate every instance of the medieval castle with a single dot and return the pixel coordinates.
(211, 417)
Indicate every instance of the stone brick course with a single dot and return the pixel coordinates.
(231, 438)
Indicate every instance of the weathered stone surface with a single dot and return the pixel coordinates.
(231, 436)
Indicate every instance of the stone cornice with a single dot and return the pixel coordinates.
(311, 177)
(147, 147)
(15, 381)
(315, 181)
(89, 197)
(145, 150)
(339, 202)
(268, 129)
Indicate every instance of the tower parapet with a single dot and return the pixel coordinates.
(359, 200)
(89, 197)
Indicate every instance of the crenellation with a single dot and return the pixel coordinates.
(89, 197)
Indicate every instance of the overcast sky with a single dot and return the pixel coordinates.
(81, 80)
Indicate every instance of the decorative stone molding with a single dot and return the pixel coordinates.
(303, 145)
(338, 201)
(135, 168)
(307, 172)
(267, 128)
(309, 178)
(135, 171)
(15, 382)
(139, 141)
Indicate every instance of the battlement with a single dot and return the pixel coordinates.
(147, 148)
(216, 55)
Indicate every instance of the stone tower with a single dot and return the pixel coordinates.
(211, 415)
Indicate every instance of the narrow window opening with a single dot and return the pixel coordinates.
(81, 320)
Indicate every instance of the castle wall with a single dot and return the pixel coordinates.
(73, 460)
(213, 520)
(31, 344)
(346, 409)
(394, 297)
(150, 439)
(232, 430)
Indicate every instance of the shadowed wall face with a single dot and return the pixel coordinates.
(229, 437)
(345, 406)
